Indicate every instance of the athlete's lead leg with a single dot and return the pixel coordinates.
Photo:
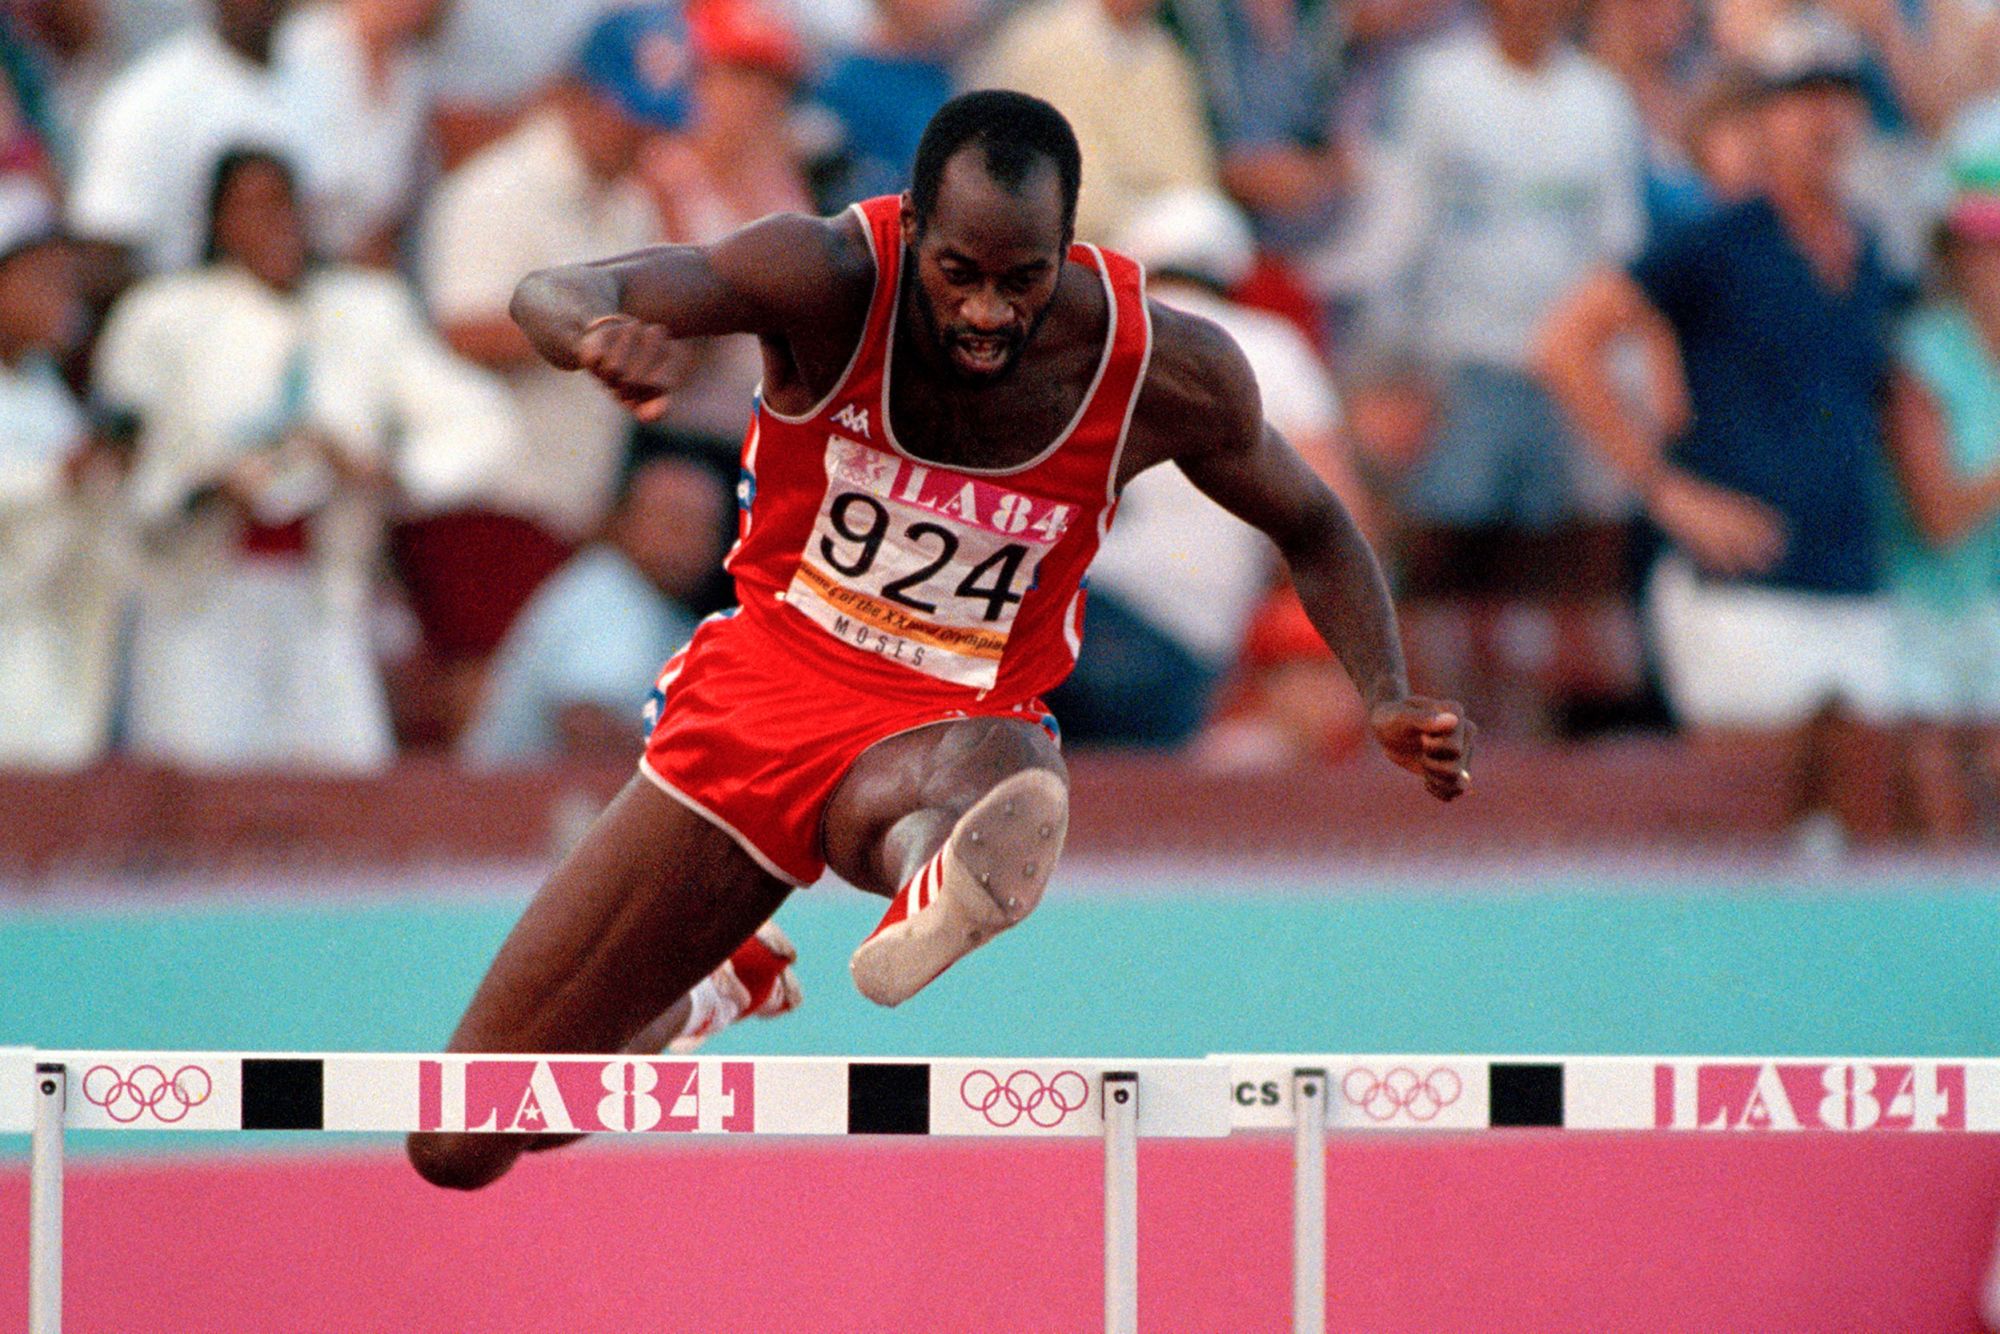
(960, 824)
(649, 904)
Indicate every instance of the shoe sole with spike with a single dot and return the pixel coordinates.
(998, 860)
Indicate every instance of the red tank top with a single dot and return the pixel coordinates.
(924, 581)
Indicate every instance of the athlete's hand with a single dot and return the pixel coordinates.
(640, 363)
(1429, 737)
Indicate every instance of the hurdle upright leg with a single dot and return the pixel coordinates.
(45, 1201)
(1121, 1202)
(1308, 1201)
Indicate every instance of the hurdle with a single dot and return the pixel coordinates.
(47, 1093)
(1310, 1095)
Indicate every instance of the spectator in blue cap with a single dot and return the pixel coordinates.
(559, 188)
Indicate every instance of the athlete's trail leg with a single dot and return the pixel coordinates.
(996, 791)
(651, 902)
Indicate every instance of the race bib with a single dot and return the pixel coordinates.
(921, 564)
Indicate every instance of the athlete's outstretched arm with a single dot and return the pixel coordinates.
(620, 318)
(1204, 397)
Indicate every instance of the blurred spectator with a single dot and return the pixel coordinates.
(1914, 75)
(560, 188)
(152, 141)
(495, 59)
(1649, 45)
(95, 39)
(28, 118)
(1178, 578)
(59, 543)
(887, 90)
(1270, 68)
(1943, 549)
(1923, 59)
(1519, 162)
(830, 25)
(1724, 144)
(265, 391)
(734, 163)
(594, 637)
(355, 83)
(1759, 452)
(1129, 92)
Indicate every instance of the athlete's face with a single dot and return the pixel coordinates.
(987, 262)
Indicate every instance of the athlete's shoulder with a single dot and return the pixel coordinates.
(1200, 392)
(809, 256)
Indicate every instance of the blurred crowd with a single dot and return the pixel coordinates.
(1656, 343)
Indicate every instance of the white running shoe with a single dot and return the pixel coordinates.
(755, 982)
(989, 874)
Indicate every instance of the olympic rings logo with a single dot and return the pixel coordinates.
(127, 1097)
(1024, 1094)
(1401, 1091)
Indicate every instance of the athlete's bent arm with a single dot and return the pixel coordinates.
(1202, 403)
(784, 278)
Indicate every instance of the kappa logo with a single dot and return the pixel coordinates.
(854, 419)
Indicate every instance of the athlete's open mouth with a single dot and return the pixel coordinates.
(982, 356)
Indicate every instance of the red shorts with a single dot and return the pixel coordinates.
(755, 740)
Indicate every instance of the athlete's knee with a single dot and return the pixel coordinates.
(461, 1162)
(1002, 746)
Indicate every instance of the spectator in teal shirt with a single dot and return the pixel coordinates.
(1942, 532)
(574, 669)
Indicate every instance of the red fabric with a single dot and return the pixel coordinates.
(790, 473)
(1281, 632)
(758, 968)
(468, 574)
(273, 541)
(758, 740)
(1273, 286)
(745, 32)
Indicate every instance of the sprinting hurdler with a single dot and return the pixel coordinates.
(953, 396)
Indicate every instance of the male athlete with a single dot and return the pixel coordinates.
(953, 395)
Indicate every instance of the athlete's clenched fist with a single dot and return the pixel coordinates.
(1431, 738)
(640, 363)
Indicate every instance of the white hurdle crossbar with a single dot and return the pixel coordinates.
(44, 1093)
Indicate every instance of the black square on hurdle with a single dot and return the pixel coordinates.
(283, 1094)
(888, 1098)
(1525, 1095)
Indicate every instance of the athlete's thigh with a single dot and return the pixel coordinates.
(923, 780)
(649, 903)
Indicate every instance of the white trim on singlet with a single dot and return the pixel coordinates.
(736, 836)
(1083, 408)
(854, 357)
(1131, 407)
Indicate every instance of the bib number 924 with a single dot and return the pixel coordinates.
(866, 526)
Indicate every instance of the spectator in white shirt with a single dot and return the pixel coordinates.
(266, 391)
(356, 85)
(59, 542)
(151, 144)
(1519, 163)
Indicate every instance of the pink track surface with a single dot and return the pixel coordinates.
(1515, 1233)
